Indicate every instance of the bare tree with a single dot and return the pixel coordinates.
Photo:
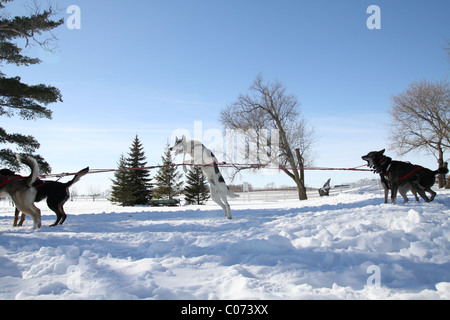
(268, 106)
(420, 119)
(94, 192)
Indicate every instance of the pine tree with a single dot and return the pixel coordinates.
(17, 98)
(132, 185)
(168, 183)
(139, 180)
(120, 191)
(196, 191)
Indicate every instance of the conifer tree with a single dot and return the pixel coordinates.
(196, 191)
(17, 98)
(139, 179)
(168, 184)
(132, 185)
(120, 191)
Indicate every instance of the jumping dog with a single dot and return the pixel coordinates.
(57, 194)
(399, 175)
(21, 189)
(202, 156)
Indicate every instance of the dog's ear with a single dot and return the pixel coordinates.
(382, 151)
(183, 138)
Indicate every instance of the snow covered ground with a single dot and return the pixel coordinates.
(346, 246)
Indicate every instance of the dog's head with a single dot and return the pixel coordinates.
(179, 146)
(374, 158)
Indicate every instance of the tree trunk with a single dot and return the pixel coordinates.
(441, 177)
(447, 184)
(301, 181)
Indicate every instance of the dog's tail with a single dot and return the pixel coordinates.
(441, 170)
(29, 161)
(77, 177)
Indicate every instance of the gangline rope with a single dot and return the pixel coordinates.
(222, 165)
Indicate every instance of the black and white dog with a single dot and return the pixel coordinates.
(402, 176)
(57, 194)
(21, 189)
(200, 155)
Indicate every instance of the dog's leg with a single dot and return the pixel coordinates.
(22, 219)
(385, 187)
(52, 203)
(227, 208)
(16, 217)
(37, 218)
(216, 198)
(421, 191)
(222, 191)
(403, 189)
(414, 191)
(433, 194)
(386, 192)
(394, 189)
(25, 202)
(61, 210)
(34, 212)
(64, 216)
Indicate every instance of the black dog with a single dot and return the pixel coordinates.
(399, 175)
(57, 193)
(404, 186)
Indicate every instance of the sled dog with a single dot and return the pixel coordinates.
(202, 156)
(57, 194)
(21, 189)
(400, 175)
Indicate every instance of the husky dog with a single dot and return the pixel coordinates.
(21, 189)
(399, 175)
(57, 193)
(202, 156)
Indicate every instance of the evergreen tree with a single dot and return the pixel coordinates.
(17, 98)
(120, 191)
(139, 180)
(132, 185)
(196, 191)
(168, 183)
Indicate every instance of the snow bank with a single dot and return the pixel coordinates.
(346, 246)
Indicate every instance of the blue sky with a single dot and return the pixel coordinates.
(153, 67)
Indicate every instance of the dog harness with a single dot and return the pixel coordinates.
(416, 168)
(7, 179)
(4, 180)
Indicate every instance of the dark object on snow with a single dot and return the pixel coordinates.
(325, 190)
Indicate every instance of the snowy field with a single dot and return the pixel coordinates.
(345, 246)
